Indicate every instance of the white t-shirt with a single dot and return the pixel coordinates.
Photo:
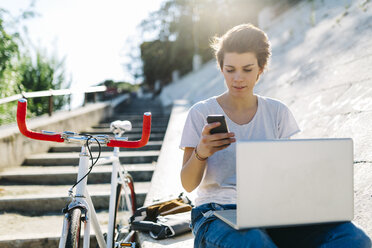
(273, 120)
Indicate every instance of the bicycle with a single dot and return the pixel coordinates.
(81, 208)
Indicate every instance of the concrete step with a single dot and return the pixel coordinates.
(136, 136)
(138, 106)
(137, 120)
(134, 125)
(153, 136)
(137, 130)
(41, 231)
(137, 115)
(66, 175)
(130, 135)
(151, 145)
(35, 200)
(70, 158)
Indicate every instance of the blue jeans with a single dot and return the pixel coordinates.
(209, 231)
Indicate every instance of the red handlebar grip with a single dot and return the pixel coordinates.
(21, 120)
(146, 130)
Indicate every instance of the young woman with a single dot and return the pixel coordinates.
(209, 159)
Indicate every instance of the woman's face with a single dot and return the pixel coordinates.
(241, 72)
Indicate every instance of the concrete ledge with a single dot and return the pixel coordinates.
(166, 181)
(15, 147)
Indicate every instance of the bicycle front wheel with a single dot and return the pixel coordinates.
(74, 227)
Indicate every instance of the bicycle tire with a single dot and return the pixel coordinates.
(74, 226)
(121, 207)
(132, 193)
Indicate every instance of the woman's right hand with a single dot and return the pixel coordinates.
(211, 143)
(193, 169)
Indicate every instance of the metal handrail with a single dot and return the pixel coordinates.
(51, 93)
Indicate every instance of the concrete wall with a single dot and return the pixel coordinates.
(196, 86)
(322, 55)
(15, 147)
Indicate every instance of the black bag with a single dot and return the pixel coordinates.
(165, 226)
(164, 219)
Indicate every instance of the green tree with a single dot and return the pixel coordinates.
(42, 73)
(156, 61)
(19, 71)
(8, 54)
(117, 87)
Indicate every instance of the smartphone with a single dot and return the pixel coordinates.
(218, 118)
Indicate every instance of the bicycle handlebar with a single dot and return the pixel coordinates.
(21, 120)
(146, 130)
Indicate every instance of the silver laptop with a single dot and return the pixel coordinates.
(292, 182)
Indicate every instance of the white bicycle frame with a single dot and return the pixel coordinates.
(83, 200)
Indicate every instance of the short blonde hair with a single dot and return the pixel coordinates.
(242, 39)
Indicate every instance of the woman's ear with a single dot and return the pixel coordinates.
(220, 65)
(259, 73)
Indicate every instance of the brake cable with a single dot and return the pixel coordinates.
(91, 158)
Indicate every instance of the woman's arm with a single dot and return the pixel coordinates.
(192, 170)
(193, 167)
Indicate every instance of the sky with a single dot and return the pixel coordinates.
(92, 35)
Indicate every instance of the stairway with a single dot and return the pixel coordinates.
(33, 195)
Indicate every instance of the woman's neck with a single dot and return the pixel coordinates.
(238, 104)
